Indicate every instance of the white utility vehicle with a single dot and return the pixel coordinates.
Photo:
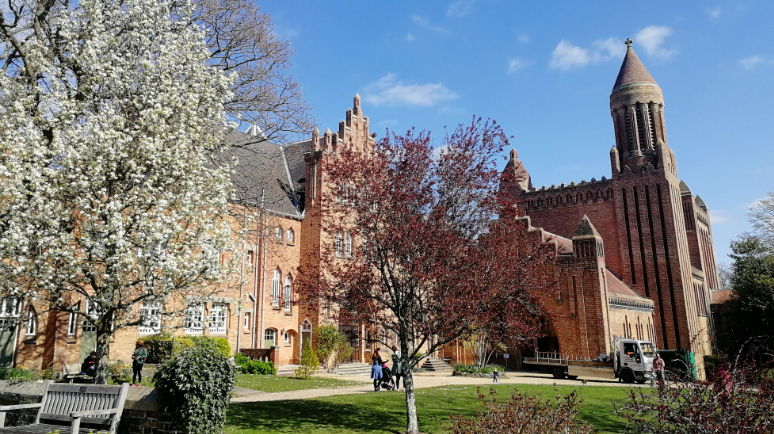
(632, 360)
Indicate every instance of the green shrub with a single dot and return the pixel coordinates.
(196, 386)
(22, 374)
(120, 372)
(473, 369)
(255, 367)
(219, 345)
(309, 363)
(332, 343)
(160, 347)
(163, 346)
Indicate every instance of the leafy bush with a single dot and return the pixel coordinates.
(473, 369)
(219, 345)
(738, 400)
(163, 346)
(120, 372)
(159, 347)
(196, 386)
(22, 374)
(255, 367)
(309, 363)
(522, 413)
(331, 343)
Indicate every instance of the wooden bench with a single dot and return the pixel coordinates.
(73, 372)
(69, 405)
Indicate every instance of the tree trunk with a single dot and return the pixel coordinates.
(412, 426)
(104, 331)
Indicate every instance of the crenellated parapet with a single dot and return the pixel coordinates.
(565, 195)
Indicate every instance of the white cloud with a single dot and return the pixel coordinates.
(718, 216)
(518, 64)
(567, 56)
(523, 39)
(426, 24)
(752, 61)
(410, 37)
(652, 39)
(460, 8)
(714, 13)
(755, 203)
(388, 90)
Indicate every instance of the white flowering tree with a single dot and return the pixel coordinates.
(109, 114)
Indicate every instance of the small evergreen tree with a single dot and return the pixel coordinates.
(309, 362)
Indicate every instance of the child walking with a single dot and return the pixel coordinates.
(138, 359)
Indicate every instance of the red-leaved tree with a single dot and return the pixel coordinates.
(422, 244)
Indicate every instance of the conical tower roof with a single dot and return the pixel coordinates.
(586, 229)
(632, 70)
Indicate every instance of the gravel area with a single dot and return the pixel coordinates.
(422, 380)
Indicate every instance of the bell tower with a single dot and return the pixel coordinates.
(637, 109)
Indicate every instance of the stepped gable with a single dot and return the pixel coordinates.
(632, 71)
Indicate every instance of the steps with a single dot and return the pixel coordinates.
(434, 364)
(353, 369)
(287, 370)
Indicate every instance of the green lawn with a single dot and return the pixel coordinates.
(271, 383)
(384, 412)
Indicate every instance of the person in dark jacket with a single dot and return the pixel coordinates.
(89, 365)
(376, 369)
(397, 366)
(138, 360)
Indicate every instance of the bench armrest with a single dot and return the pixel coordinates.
(79, 414)
(4, 408)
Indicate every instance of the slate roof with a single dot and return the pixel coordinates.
(267, 174)
(632, 71)
(618, 288)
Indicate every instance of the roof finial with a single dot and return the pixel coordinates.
(628, 43)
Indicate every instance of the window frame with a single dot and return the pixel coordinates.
(218, 318)
(287, 293)
(275, 288)
(290, 235)
(32, 322)
(72, 319)
(339, 243)
(278, 234)
(347, 244)
(194, 319)
(146, 326)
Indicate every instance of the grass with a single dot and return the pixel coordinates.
(271, 383)
(384, 412)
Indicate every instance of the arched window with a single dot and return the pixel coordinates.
(288, 294)
(339, 244)
(588, 196)
(290, 235)
(278, 234)
(270, 337)
(578, 198)
(32, 322)
(275, 289)
(569, 199)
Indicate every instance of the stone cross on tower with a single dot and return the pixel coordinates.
(628, 43)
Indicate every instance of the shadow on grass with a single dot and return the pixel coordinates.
(386, 412)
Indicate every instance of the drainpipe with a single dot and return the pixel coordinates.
(262, 246)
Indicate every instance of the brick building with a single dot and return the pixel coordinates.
(654, 240)
(634, 253)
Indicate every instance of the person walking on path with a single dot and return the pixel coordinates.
(657, 376)
(376, 369)
(138, 359)
(397, 366)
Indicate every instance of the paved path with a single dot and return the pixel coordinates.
(421, 381)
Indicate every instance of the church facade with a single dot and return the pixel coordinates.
(634, 253)
(655, 237)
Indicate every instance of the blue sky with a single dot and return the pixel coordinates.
(544, 71)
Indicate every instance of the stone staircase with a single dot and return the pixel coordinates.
(353, 369)
(287, 370)
(438, 365)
